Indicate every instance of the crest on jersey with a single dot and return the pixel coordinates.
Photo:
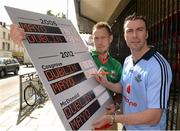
(138, 78)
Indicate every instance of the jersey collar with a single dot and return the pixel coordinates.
(147, 55)
(103, 61)
(94, 53)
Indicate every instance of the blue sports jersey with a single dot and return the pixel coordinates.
(146, 84)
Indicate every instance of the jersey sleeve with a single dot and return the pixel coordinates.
(118, 68)
(157, 86)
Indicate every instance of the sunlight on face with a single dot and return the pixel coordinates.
(135, 34)
(102, 40)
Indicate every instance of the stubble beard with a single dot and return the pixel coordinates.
(101, 52)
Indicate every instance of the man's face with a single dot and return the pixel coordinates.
(102, 40)
(135, 34)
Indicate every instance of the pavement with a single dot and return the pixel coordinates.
(42, 118)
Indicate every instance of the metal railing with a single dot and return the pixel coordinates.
(32, 94)
(163, 19)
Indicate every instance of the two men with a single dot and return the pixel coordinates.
(145, 83)
(145, 80)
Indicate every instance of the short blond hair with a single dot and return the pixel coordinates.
(102, 24)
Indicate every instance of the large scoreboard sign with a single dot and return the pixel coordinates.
(64, 66)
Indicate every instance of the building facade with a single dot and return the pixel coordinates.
(7, 47)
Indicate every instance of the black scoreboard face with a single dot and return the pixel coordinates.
(41, 38)
(59, 72)
(85, 115)
(54, 33)
(77, 105)
(67, 83)
(40, 28)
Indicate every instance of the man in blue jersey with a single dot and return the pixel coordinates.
(145, 83)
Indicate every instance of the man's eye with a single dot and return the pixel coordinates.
(129, 31)
(95, 38)
(103, 37)
(140, 29)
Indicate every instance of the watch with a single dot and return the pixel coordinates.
(112, 119)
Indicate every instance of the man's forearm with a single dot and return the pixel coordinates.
(115, 87)
(149, 117)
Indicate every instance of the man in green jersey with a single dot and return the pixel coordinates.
(102, 38)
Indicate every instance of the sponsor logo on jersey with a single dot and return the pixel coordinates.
(126, 98)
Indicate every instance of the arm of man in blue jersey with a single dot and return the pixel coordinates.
(149, 115)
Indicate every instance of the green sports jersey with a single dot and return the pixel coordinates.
(112, 66)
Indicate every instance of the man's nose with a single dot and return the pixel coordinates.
(100, 40)
(134, 33)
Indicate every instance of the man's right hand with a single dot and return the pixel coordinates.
(110, 109)
(17, 34)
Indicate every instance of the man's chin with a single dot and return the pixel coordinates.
(102, 52)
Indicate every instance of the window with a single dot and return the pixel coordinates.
(8, 36)
(4, 35)
(3, 45)
(8, 46)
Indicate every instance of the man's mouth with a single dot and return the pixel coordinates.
(135, 41)
(100, 47)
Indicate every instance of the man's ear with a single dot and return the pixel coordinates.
(147, 35)
(111, 38)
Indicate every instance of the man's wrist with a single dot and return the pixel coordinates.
(112, 119)
(117, 106)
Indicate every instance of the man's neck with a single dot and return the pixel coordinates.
(136, 55)
(103, 57)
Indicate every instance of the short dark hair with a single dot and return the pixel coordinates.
(135, 16)
(102, 24)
